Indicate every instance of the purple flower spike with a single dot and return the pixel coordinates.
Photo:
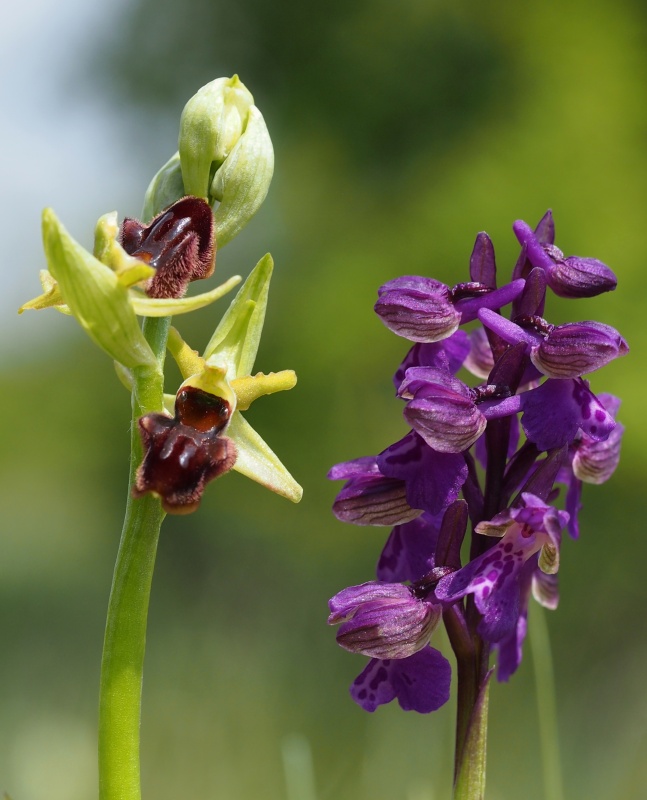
(567, 277)
(421, 682)
(383, 620)
(556, 410)
(419, 309)
(368, 497)
(578, 348)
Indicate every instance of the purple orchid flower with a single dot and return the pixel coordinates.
(570, 276)
(554, 412)
(493, 577)
(590, 461)
(383, 620)
(368, 496)
(449, 415)
(561, 351)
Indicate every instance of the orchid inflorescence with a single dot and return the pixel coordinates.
(505, 445)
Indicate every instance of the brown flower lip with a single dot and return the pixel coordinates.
(184, 453)
(179, 243)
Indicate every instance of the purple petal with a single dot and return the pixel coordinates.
(511, 647)
(479, 360)
(556, 410)
(433, 479)
(421, 682)
(358, 467)
(447, 355)
(408, 554)
(376, 501)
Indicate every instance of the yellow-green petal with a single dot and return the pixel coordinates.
(153, 307)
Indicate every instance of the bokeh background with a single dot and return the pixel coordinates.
(400, 130)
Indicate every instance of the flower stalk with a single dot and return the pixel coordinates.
(125, 635)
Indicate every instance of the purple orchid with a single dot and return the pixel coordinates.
(426, 310)
(531, 380)
(591, 460)
(560, 351)
(494, 577)
(383, 620)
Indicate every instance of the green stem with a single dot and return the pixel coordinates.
(125, 636)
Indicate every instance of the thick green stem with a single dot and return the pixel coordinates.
(125, 636)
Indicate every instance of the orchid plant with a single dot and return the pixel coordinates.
(199, 200)
(492, 456)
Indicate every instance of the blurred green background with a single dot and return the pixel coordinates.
(400, 130)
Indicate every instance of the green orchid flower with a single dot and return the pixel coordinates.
(100, 290)
(222, 387)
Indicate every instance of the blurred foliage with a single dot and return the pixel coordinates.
(400, 132)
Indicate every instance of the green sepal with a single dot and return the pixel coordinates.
(242, 182)
(257, 461)
(95, 296)
(235, 341)
(165, 189)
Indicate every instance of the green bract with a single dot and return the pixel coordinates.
(225, 156)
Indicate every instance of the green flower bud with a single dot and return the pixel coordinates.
(225, 155)
(212, 122)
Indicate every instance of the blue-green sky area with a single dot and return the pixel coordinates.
(400, 131)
